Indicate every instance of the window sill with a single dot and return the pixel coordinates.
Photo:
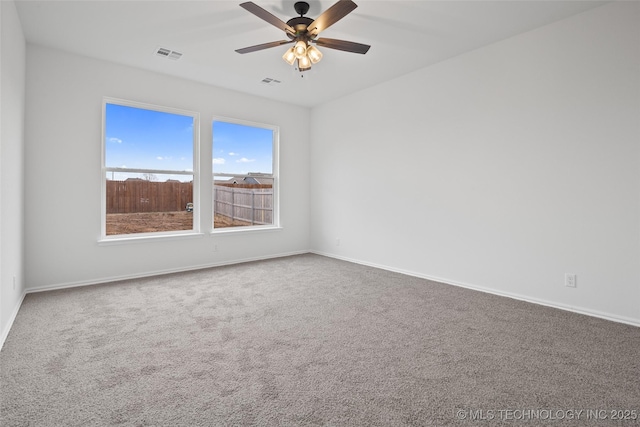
(246, 229)
(142, 238)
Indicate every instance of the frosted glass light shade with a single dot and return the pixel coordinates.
(300, 49)
(289, 56)
(314, 54)
(304, 63)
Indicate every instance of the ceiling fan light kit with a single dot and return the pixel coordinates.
(304, 32)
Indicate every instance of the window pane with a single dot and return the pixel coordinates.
(241, 205)
(137, 138)
(242, 149)
(148, 164)
(244, 195)
(141, 203)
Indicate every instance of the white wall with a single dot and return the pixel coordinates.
(500, 169)
(12, 101)
(63, 134)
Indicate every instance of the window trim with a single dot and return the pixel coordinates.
(275, 175)
(121, 238)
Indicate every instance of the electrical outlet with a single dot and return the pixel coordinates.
(570, 280)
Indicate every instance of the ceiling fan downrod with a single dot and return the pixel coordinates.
(301, 7)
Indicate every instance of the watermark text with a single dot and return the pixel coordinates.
(474, 414)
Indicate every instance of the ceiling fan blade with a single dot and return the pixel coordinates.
(267, 16)
(263, 46)
(343, 45)
(331, 16)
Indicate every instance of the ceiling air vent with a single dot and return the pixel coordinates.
(168, 53)
(269, 81)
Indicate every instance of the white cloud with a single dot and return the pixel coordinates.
(218, 161)
(245, 160)
(115, 140)
(159, 158)
(233, 154)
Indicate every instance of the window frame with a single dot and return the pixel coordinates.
(195, 173)
(275, 176)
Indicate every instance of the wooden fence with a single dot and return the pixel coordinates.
(244, 202)
(253, 205)
(135, 195)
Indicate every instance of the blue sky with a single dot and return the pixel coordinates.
(241, 149)
(145, 139)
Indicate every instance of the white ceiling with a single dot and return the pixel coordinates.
(404, 35)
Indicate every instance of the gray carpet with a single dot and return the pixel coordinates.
(309, 340)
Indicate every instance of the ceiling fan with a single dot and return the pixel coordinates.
(303, 32)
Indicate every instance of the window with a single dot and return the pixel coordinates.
(244, 174)
(149, 154)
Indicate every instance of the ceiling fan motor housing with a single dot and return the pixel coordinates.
(299, 24)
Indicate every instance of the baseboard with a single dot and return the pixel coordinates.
(12, 318)
(579, 310)
(158, 272)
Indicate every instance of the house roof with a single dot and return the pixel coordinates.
(248, 180)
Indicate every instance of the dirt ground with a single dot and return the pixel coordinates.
(222, 221)
(147, 222)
